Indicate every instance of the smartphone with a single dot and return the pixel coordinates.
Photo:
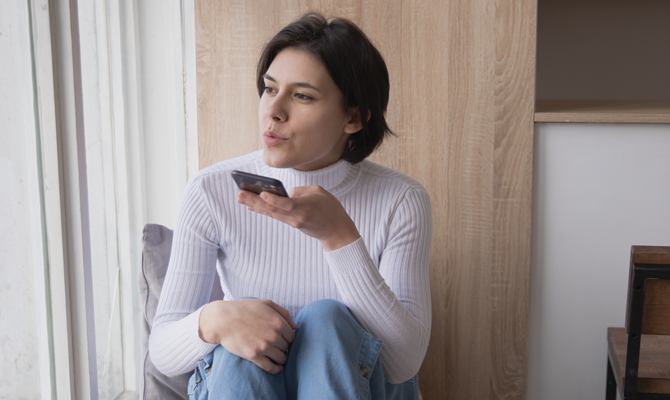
(258, 183)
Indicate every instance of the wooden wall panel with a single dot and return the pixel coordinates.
(462, 95)
(514, 87)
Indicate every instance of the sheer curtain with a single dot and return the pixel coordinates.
(84, 131)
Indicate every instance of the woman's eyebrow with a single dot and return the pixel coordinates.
(294, 84)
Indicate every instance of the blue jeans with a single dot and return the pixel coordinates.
(332, 357)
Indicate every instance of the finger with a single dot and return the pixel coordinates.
(281, 343)
(258, 203)
(268, 366)
(279, 217)
(277, 355)
(244, 196)
(279, 202)
(285, 314)
(241, 197)
(302, 190)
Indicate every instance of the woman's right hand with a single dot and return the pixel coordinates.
(256, 330)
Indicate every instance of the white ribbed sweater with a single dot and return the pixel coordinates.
(382, 277)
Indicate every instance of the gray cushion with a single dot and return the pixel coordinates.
(157, 243)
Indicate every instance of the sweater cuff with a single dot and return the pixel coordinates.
(192, 326)
(176, 346)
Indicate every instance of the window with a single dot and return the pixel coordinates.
(83, 146)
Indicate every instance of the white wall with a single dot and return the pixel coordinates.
(19, 210)
(597, 190)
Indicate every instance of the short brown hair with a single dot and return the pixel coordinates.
(354, 64)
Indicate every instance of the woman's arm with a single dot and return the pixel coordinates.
(392, 302)
(186, 328)
(174, 344)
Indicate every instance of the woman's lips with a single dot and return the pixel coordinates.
(272, 139)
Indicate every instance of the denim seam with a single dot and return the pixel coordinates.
(370, 347)
(199, 374)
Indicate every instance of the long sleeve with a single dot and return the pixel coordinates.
(392, 302)
(175, 343)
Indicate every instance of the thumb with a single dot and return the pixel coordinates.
(303, 190)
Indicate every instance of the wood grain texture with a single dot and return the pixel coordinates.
(604, 111)
(462, 85)
(654, 367)
(650, 254)
(656, 309)
(513, 170)
(656, 312)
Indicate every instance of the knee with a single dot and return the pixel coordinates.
(326, 322)
(222, 358)
(324, 312)
(225, 365)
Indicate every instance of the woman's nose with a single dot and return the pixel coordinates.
(276, 110)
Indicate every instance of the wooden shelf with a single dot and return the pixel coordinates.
(603, 111)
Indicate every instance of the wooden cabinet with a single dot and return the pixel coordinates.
(614, 53)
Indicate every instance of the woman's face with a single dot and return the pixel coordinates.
(302, 120)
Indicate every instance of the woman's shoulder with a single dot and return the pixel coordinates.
(371, 171)
(215, 179)
(247, 162)
(393, 190)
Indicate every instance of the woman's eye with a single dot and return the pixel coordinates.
(268, 89)
(302, 96)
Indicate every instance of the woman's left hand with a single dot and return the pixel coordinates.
(311, 209)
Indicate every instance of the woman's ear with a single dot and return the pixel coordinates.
(354, 124)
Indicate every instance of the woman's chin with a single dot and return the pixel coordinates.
(275, 160)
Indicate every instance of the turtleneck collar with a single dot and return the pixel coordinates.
(336, 178)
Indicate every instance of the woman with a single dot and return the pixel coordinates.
(326, 291)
